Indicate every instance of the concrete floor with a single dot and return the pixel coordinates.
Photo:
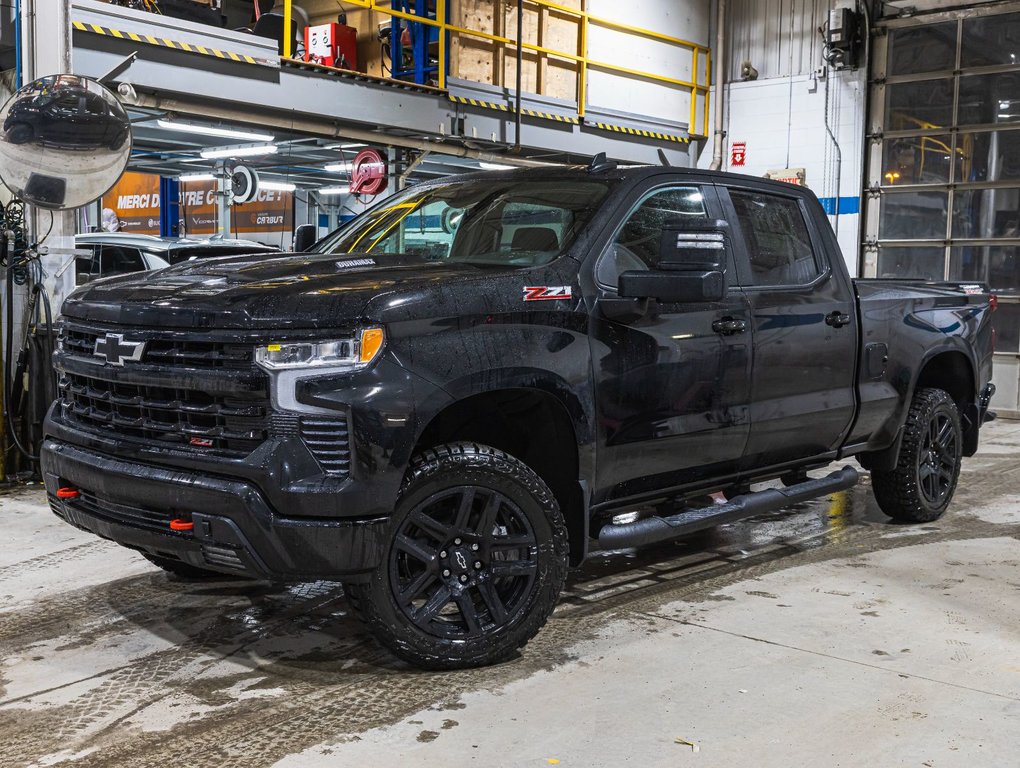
(820, 636)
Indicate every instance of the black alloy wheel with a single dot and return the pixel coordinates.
(921, 485)
(476, 562)
(463, 562)
(938, 459)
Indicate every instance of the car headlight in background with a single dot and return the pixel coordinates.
(347, 354)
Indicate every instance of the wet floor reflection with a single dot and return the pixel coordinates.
(764, 538)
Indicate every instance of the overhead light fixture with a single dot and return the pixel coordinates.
(277, 186)
(338, 167)
(208, 130)
(495, 167)
(335, 191)
(346, 146)
(258, 149)
(197, 177)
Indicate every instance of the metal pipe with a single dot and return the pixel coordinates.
(520, 61)
(17, 45)
(328, 129)
(719, 59)
(839, 154)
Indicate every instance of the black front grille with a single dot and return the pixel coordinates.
(329, 441)
(185, 417)
(188, 353)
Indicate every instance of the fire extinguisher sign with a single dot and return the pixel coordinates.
(738, 154)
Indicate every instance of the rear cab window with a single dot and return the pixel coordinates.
(776, 238)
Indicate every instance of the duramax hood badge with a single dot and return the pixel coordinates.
(117, 351)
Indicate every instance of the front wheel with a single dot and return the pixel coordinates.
(921, 486)
(477, 559)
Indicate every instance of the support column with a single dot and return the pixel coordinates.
(46, 50)
(169, 207)
(223, 195)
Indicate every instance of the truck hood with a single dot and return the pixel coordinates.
(295, 290)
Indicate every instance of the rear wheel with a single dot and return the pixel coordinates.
(476, 563)
(921, 486)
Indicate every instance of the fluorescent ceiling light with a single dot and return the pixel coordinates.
(277, 186)
(208, 130)
(335, 191)
(338, 167)
(346, 146)
(259, 149)
(495, 167)
(197, 177)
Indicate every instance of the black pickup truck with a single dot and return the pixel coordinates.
(464, 390)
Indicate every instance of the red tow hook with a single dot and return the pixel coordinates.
(180, 524)
(67, 492)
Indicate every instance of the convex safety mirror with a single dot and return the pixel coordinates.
(64, 142)
(692, 265)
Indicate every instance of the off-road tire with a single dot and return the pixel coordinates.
(466, 476)
(906, 493)
(20, 133)
(184, 571)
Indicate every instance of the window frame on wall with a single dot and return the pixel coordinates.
(893, 247)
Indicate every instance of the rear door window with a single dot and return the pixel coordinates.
(777, 239)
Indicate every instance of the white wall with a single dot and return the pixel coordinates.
(684, 19)
(782, 122)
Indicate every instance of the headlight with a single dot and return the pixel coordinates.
(351, 354)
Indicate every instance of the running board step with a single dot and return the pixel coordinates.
(652, 530)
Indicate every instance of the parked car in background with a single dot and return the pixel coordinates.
(117, 253)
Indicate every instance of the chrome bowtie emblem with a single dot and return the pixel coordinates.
(117, 351)
(461, 560)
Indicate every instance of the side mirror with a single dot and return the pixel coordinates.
(698, 244)
(673, 286)
(305, 236)
(692, 265)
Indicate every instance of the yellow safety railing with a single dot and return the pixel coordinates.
(580, 56)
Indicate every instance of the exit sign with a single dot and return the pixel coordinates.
(738, 153)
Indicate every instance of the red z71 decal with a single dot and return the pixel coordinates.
(546, 292)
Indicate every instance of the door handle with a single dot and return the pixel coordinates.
(837, 319)
(728, 326)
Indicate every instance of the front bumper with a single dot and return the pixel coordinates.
(235, 529)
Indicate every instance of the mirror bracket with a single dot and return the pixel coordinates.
(623, 310)
(118, 68)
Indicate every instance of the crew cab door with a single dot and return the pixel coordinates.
(804, 329)
(671, 382)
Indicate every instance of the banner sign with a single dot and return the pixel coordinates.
(135, 201)
(271, 212)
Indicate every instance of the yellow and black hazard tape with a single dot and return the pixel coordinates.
(640, 132)
(162, 42)
(507, 108)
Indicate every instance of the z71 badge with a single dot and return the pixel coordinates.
(546, 292)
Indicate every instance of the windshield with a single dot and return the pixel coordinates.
(510, 223)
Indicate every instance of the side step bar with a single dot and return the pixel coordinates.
(651, 530)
